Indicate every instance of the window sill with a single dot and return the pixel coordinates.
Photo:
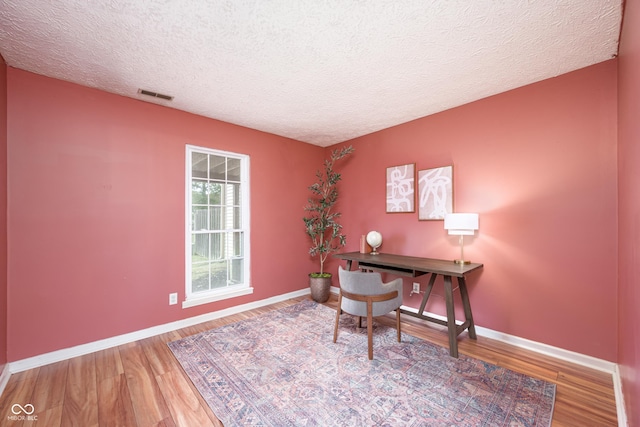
(218, 296)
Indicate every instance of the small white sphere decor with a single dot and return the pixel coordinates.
(374, 239)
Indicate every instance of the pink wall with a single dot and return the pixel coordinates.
(96, 198)
(539, 165)
(3, 213)
(629, 208)
(96, 212)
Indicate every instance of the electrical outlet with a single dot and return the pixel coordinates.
(173, 298)
(416, 288)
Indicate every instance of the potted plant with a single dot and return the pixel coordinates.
(321, 223)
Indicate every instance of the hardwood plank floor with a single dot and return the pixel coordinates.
(141, 384)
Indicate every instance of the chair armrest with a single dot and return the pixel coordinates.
(394, 285)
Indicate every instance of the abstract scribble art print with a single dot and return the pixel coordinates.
(401, 188)
(435, 193)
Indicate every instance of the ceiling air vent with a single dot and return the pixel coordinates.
(155, 94)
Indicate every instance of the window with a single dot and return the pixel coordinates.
(217, 235)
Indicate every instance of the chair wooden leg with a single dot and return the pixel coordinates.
(338, 312)
(369, 300)
(398, 323)
(370, 328)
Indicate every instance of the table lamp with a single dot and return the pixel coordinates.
(462, 224)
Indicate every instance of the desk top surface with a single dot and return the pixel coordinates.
(426, 265)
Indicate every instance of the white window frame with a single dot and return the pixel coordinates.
(203, 297)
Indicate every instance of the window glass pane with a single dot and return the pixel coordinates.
(217, 246)
(199, 277)
(198, 192)
(236, 271)
(233, 169)
(199, 165)
(217, 167)
(218, 274)
(199, 218)
(236, 247)
(215, 193)
(216, 218)
(228, 219)
(234, 194)
(237, 218)
(199, 247)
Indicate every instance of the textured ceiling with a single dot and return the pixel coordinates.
(318, 71)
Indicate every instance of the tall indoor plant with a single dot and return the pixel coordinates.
(321, 223)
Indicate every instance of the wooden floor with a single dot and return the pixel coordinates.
(142, 384)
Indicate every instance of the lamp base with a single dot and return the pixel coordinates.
(461, 261)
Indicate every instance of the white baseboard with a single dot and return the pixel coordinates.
(620, 406)
(4, 377)
(558, 353)
(548, 350)
(68, 353)
(80, 350)
(569, 356)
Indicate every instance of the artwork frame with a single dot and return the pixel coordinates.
(401, 188)
(435, 193)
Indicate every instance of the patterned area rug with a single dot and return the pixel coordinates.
(282, 369)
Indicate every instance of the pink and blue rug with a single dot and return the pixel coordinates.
(282, 369)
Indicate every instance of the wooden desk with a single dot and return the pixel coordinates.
(412, 266)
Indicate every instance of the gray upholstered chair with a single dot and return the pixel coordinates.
(365, 295)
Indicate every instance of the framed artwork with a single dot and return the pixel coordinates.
(435, 193)
(401, 188)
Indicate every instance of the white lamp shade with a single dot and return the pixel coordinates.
(461, 223)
